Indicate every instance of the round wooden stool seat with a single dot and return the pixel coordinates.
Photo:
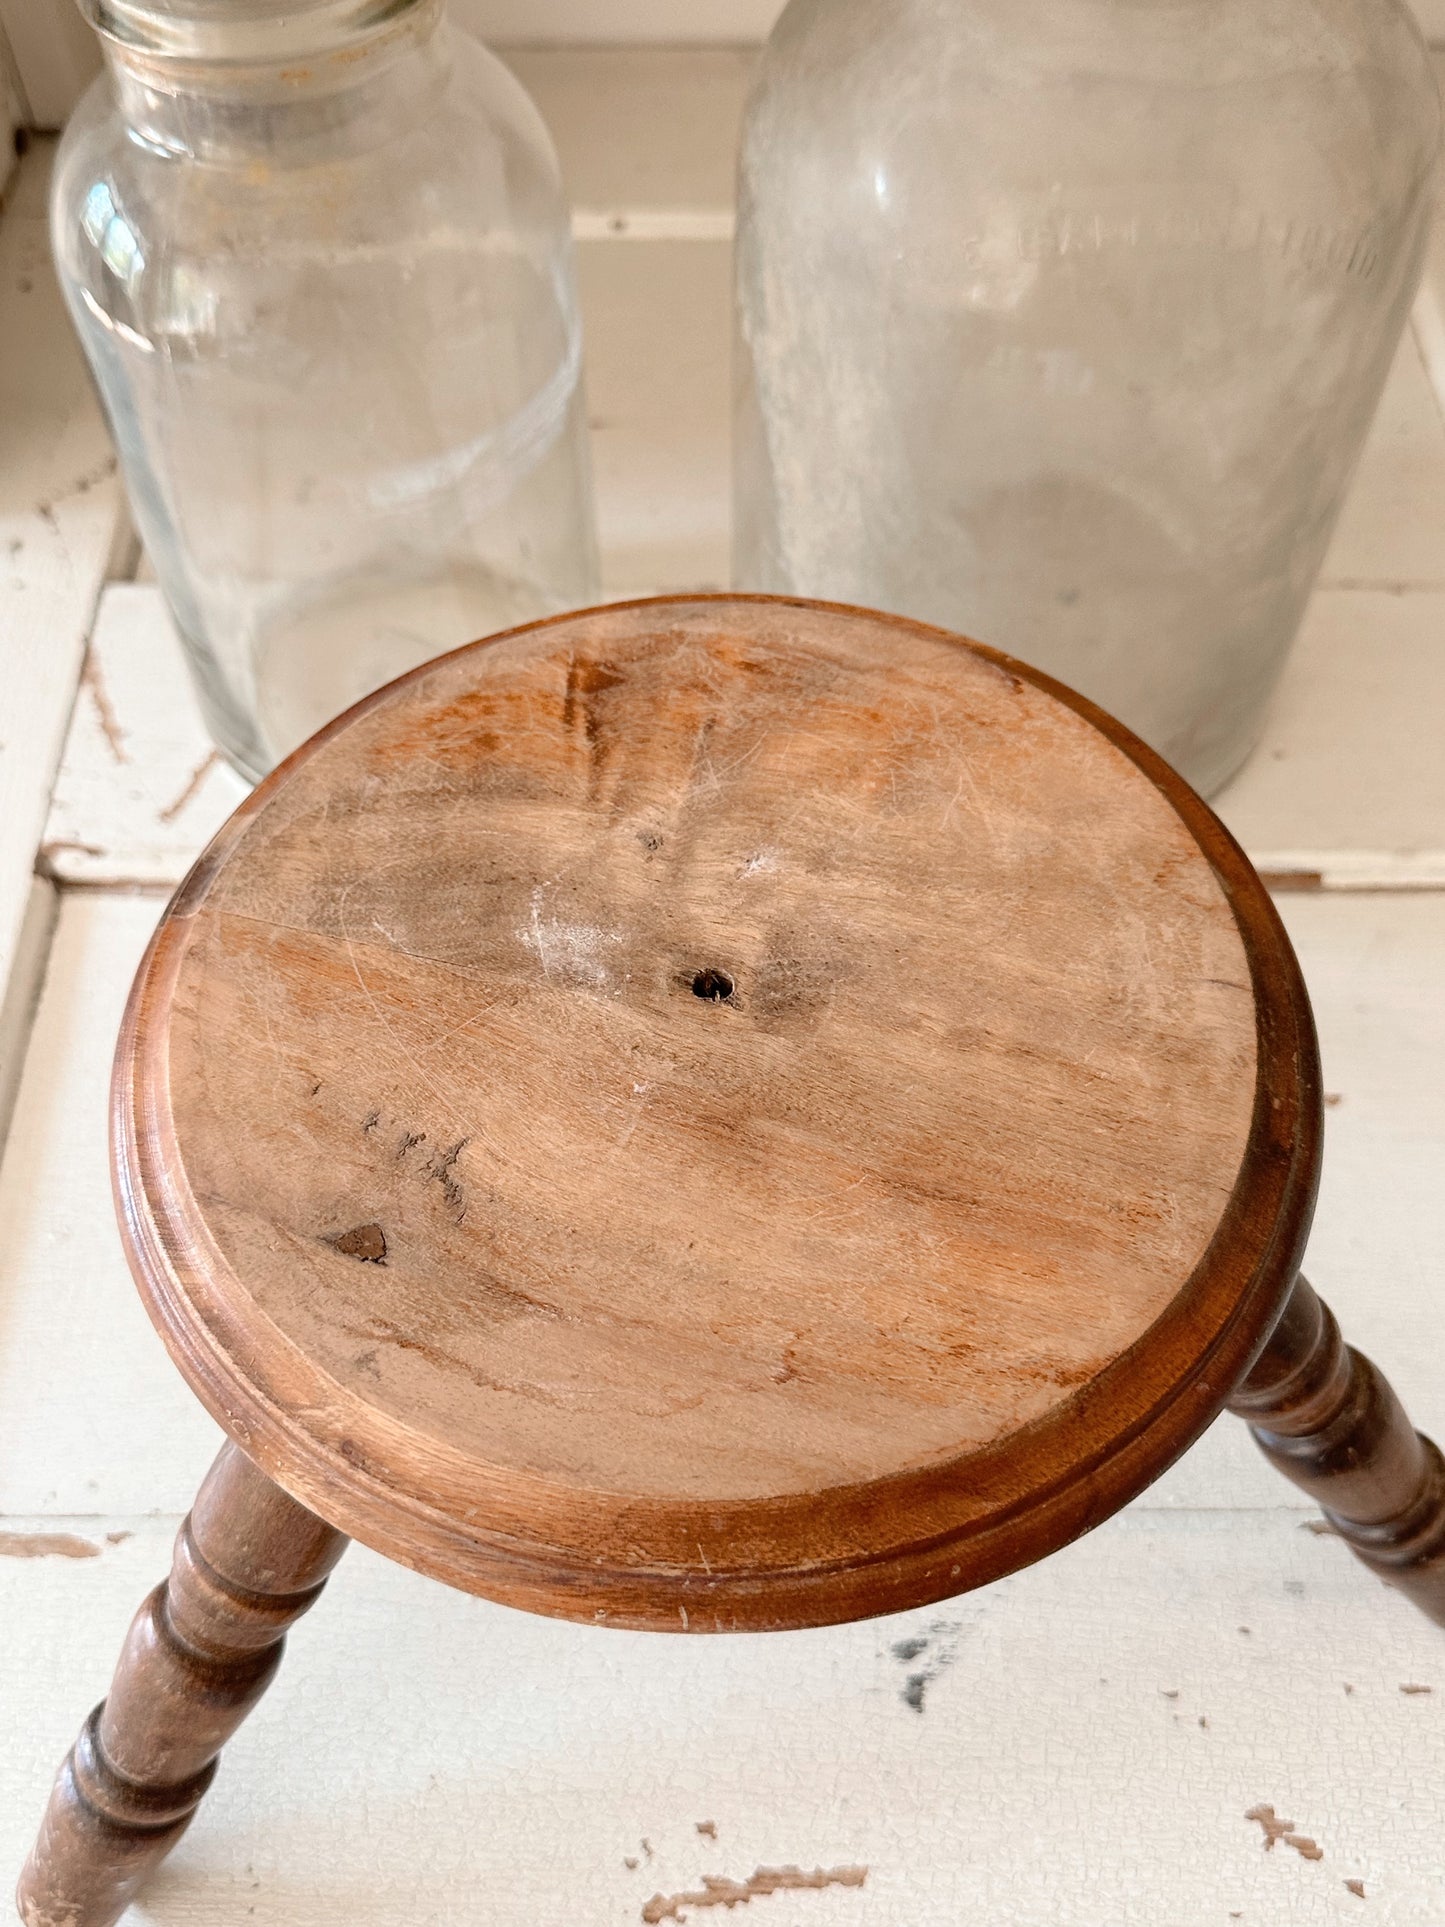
(717, 1113)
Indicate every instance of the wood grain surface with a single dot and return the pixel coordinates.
(719, 1112)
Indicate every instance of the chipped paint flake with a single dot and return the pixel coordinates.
(46, 1545)
(93, 681)
(718, 1891)
(1276, 1829)
(191, 788)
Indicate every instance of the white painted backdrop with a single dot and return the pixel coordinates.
(55, 54)
(683, 22)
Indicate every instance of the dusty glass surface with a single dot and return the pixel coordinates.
(1061, 322)
(321, 264)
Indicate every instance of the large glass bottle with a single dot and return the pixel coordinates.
(1061, 322)
(321, 264)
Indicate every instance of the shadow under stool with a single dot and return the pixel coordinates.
(719, 1113)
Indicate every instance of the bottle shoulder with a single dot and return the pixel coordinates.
(915, 68)
(888, 115)
(472, 162)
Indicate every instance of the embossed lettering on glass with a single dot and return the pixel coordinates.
(1061, 322)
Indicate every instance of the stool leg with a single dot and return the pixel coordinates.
(1328, 1418)
(200, 1653)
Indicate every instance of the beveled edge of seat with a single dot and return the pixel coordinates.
(970, 1520)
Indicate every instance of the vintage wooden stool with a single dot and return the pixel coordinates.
(718, 1113)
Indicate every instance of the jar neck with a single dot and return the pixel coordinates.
(194, 81)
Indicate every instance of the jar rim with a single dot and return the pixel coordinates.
(242, 30)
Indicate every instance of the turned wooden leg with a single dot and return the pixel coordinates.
(1330, 1421)
(200, 1653)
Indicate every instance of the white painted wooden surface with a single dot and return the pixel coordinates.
(679, 23)
(1348, 784)
(658, 322)
(141, 788)
(78, 1359)
(20, 996)
(645, 136)
(683, 22)
(60, 509)
(429, 1758)
(1390, 532)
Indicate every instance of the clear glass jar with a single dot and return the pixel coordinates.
(321, 263)
(1062, 322)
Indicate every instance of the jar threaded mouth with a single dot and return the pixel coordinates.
(247, 31)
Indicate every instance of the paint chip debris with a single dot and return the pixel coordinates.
(46, 1545)
(1274, 1828)
(717, 1891)
(190, 789)
(93, 681)
(1277, 1829)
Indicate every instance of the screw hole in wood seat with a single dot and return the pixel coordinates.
(713, 986)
